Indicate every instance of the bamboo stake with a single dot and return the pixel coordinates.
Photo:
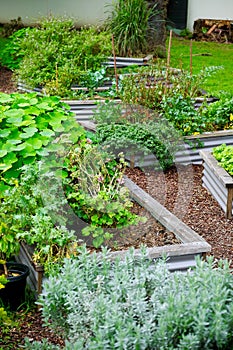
(168, 59)
(191, 57)
(114, 57)
(169, 49)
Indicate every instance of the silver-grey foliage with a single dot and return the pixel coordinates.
(138, 304)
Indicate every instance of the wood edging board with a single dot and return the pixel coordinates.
(179, 256)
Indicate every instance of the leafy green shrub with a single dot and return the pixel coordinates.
(129, 23)
(220, 113)
(224, 155)
(29, 126)
(12, 54)
(132, 129)
(135, 303)
(34, 211)
(57, 55)
(95, 191)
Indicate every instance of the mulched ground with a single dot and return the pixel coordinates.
(180, 190)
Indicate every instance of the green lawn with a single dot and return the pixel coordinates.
(205, 54)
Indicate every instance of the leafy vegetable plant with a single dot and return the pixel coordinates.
(224, 155)
(132, 129)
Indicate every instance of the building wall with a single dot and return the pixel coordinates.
(208, 9)
(84, 12)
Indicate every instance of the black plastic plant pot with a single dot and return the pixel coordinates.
(13, 295)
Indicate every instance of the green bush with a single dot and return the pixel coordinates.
(57, 55)
(224, 155)
(134, 129)
(135, 303)
(12, 54)
(95, 191)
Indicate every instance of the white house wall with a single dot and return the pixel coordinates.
(208, 9)
(84, 12)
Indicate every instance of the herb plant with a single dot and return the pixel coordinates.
(134, 129)
(34, 214)
(136, 303)
(57, 55)
(95, 191)
(224, 155)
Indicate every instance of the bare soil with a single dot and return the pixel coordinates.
(180, 190)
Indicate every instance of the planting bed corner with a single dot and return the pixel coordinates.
(218, 182)
(179, 256)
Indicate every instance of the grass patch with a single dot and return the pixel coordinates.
(205, 54)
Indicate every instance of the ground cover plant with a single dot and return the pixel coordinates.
(136, 303)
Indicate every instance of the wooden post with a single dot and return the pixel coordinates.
(114, 57)
(168, 60)
(229, 203)
(191, 57)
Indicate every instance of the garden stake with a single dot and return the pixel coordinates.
(168, 59)
(191, 57)
(114, 56)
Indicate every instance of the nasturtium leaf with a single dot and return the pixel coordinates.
(58, 128)
(42, 152)
(28, 160)
(16, 121)
(9, 147)
(32, 110)
(14, 113)
(23, 104)
(3, 152)
(12, 173)
(5, 98)
(20, 147)
(45, 140)
(28, 151)
(4, 132)
(28, 132)
(45, 106)
(35, 142)
(54, 147)
(33, 101)
(10, 158)
(47, 132)
(4, 167)
(41, 123)
(13, 141)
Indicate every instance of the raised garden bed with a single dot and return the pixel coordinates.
(181, 253)
(218, 182)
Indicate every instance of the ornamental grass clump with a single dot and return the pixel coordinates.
(136, 303)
